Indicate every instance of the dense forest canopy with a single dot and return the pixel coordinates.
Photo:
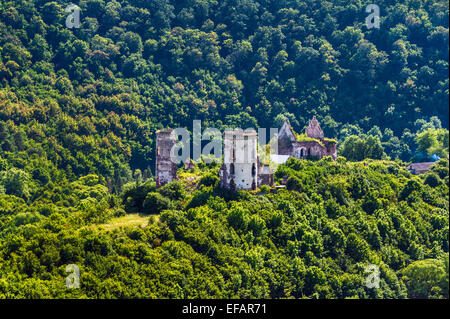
(314, 239)
(79, 108)
(96, 94)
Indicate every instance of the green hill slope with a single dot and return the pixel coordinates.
(313, 239)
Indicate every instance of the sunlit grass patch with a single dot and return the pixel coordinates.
(137, 220)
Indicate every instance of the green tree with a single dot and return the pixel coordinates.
(425, 278)
(155, 203)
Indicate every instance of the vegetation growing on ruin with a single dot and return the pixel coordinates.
(305, 138)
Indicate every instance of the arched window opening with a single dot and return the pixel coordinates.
(231, 168)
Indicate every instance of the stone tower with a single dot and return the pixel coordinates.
(240, 167)
(166, 167)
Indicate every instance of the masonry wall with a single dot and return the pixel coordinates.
(331, 150)
(305, 149)
(166, 168)
(285, 139)
(265, 176)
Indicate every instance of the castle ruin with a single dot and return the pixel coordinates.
(241, 168)
(312, 144)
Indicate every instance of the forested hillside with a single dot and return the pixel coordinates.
(78, 113)
(314, 239)
(89, 99)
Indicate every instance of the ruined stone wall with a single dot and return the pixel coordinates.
(285, 146)
(305, 149)
(265, 176)
(286, 137)
(331, 149)
(314, 129)
(166, 168)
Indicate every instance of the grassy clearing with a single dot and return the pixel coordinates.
(136, 220)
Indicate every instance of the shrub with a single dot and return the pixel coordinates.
(174, 190)
(265, 189)
(313, 276)
(16, 182)
(155, 203)
(294, 184)
(256, 225)
(357, 248)
(209, 180)
(237, 219)
(432, 180)
(133, 196)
